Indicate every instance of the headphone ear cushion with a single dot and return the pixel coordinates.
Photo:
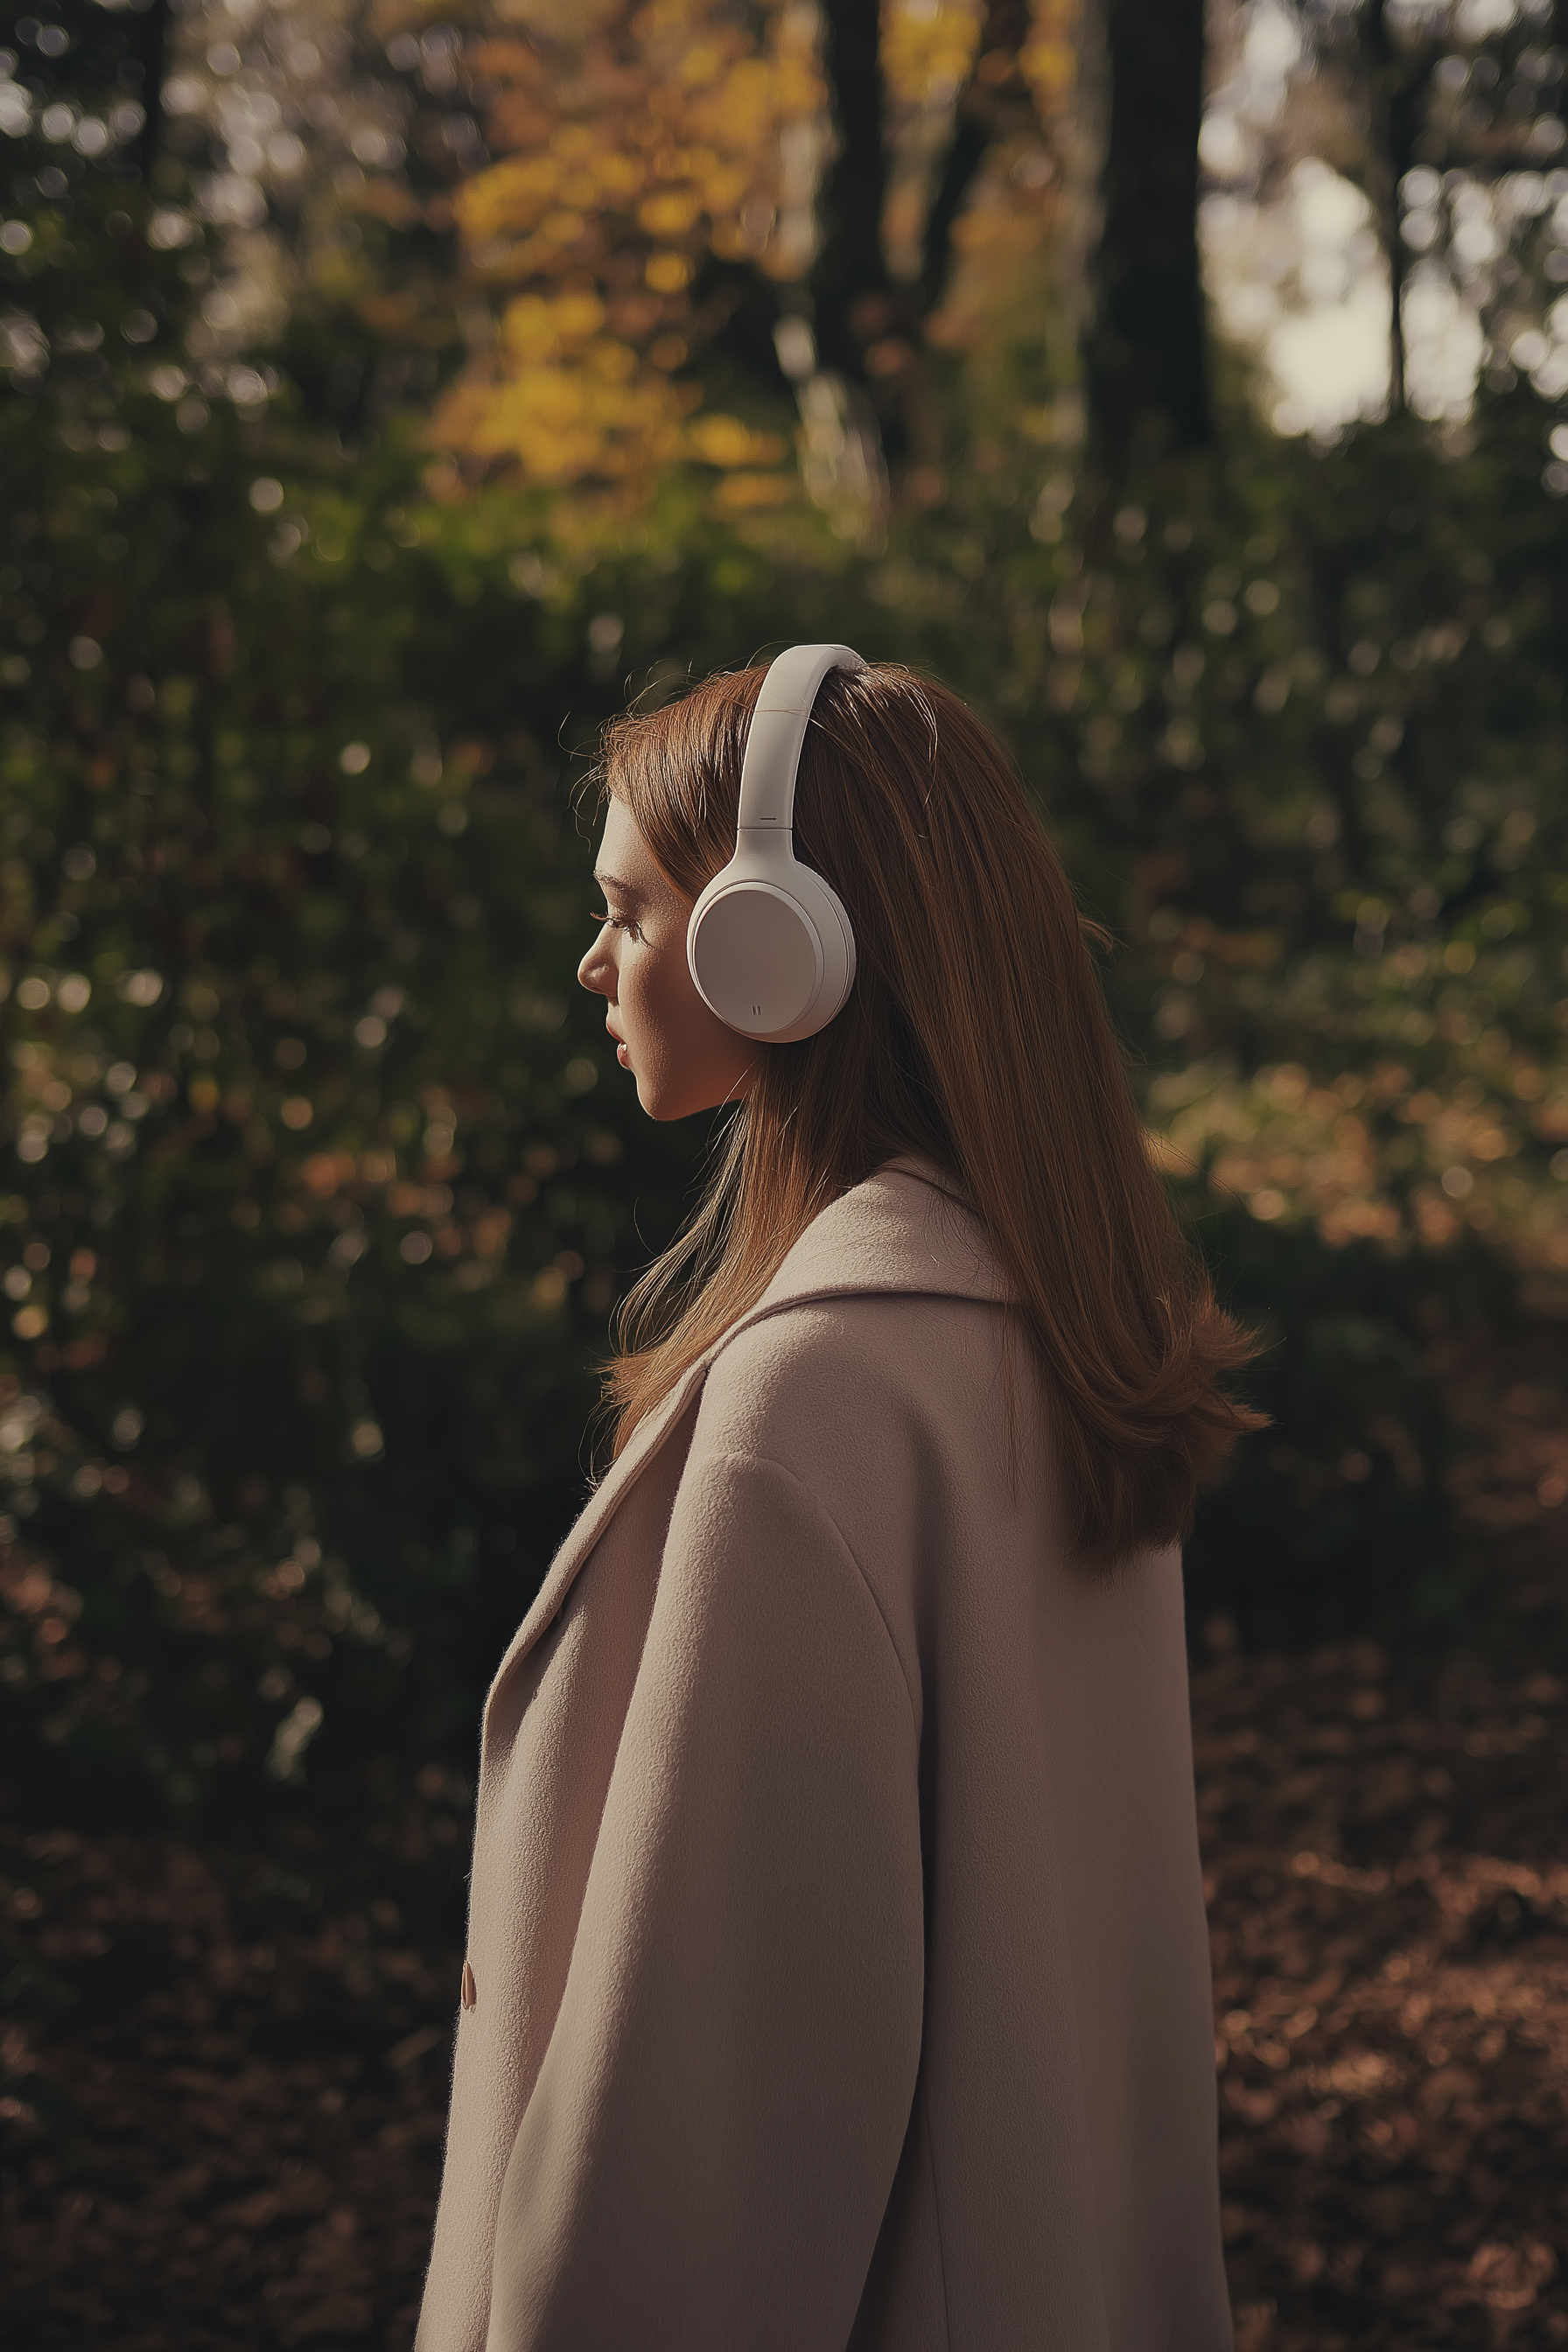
(821, 902)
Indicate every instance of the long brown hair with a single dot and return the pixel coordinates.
(977, 1036)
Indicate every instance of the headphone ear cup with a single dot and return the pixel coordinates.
(774, 957)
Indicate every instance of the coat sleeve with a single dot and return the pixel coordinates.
(708, 2148)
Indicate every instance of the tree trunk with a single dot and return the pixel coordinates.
(151, 37)
(995, 104)
(851, 266)
(1145, 360)
(1395, 105)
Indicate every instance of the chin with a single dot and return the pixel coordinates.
(654, 1100)
(668, 1103)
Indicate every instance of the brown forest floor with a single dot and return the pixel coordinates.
(257, 2048)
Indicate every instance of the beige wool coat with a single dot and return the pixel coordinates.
(838, 1974)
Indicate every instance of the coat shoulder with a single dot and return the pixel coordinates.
(792, 1385)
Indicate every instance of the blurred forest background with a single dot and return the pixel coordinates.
(388, 389)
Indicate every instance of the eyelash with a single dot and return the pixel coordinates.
(617, 923)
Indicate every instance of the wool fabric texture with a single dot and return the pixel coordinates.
(839, 1972)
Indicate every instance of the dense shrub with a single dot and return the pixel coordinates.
(316, 1194)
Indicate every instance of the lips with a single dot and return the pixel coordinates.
(621, 1055)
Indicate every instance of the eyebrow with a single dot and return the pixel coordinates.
(627, 889)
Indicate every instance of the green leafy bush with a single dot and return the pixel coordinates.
(315, 1200)
(1338, 1516)
(318, 1182)
(1298, 716)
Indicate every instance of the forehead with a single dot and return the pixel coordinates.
(624, 853)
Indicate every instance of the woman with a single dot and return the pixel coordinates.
(838, 1973)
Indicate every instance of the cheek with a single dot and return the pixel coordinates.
(663, 1015)
(684, 1057)
(656, 989)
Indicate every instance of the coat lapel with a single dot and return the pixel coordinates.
(904, 1230)
(600, 1507)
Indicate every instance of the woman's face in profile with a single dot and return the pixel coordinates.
(682, 1057)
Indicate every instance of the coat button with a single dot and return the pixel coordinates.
(470, 1989)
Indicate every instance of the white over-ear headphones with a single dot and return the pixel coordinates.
(769, 944)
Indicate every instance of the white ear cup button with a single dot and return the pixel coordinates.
(757, 959)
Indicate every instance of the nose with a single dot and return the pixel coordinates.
(596, 971)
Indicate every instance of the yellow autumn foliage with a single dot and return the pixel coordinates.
(725, 441)
(635, 144)
(669, 213)
(927, 53)
(1048, 59)
(639, 150)
(539, 327)
(744, 493)
(669, 129)
(575, 419)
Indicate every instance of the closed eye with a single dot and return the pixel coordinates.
(602, 916)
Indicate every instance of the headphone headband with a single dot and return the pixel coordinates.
(777, 733)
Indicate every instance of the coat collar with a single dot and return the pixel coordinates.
(906, 1229)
